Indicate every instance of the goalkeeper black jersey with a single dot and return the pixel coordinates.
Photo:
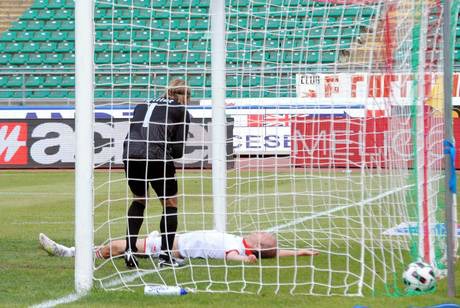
(158, 131)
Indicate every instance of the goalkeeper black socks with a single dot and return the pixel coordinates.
(168, 227)
(135, 220)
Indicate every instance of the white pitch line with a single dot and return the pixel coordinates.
(63, 300)
(43, 223)
(327, 213)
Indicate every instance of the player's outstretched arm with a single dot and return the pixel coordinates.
(235, 256)
(297, 252)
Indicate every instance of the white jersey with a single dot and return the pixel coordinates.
(200, 244)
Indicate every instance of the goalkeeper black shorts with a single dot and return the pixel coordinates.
(160, 175)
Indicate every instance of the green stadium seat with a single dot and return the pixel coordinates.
(45, 14)
(15, 82)
(41, 36)
(47, 47)
(125, 35)
(68, 58)
(19, 59)
(13, 47)
(3, 81)
(40, 4)
(5, 94)
(103, 58)
(18, 25)
(196, 81)
(141, 3)
(52, 25)
(68, 25)
(142, 81)
(121, 58)
(60, 94)
(159, 35)
(68, 81)
(104, 80)
(312, 57)
(40, 94)
(5, 58)
(59, 4)
(146, 14)
(123, 80)
(65, 47)
(52, 81)
(64, 14)
(179, 35)
(36, 59)
(29, 15)
(3, 47)
(99, 93)
(174, 57)
(58, 36)
(141, 35)
(35, 25)
(34, 81)
(24, 36)
(8, 36)
(140, 57)
(350, 32)
(53, 58)
(106, 35)
(200, 45)
(329, 57)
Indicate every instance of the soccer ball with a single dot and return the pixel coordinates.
(419, 276)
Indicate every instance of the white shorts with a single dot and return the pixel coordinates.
(152, 244)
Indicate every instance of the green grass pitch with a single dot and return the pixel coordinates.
(37, 201)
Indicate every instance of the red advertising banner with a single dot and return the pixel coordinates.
(339, 142)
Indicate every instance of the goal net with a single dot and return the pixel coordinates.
(334, 138)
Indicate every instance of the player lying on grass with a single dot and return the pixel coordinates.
(195, 244)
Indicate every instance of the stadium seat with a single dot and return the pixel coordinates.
(47, 47)
(64, 14)
(15, 82)
(36, 59)
(58, 36)
(40, 4)
(18, 25)
(45, 14)
(35, 25)
(5, 94)
(65, 47)
(3, 81)
(52, 81)
(34, 81)
(40, 93)
(141, 81)
(68, 59)
(5, 58)
(121, 58)
(52, 25)
(59, 4)
(13, 47)
(41, 36)
(24, 36)
(60, 94)
(103, 58)
(68, 25)
(29, 15)
(53, 58)
(19, 59)
(140, 57)
(68, 81)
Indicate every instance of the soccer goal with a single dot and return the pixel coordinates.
(321, 122)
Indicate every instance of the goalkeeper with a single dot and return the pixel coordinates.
(195, 244)
(156, 137)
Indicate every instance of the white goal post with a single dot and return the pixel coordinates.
(321, 122)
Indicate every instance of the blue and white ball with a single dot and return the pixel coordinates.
(419, 277)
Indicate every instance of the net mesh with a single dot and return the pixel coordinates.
(335, 142)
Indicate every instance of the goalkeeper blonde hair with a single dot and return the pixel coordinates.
(179, 91)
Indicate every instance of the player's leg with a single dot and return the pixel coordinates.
(54, 248)
(166, 190)
(116, 248)
(136, 173)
